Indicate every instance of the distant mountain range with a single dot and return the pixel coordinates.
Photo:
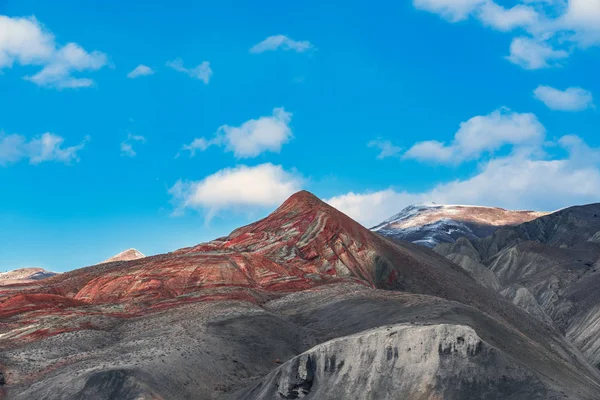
(431, 224)
(307, 303)
(28, 275)
(24, 275)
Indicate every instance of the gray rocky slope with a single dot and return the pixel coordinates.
(335, 342)
(550, 267)
(421, 362)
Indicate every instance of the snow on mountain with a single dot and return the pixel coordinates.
(430, 224)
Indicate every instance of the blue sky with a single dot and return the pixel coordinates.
(235, 105)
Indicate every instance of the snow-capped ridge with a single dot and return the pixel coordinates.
(430, 224)
(407, 212)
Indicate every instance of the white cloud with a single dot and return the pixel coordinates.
(127, 149)
(12, 148)
(534, 54)
(570, 99)
(257, 136)
(281, 42)
(202, 72)
(583, 18)
(46, 147)
(250, 139)
(525, 183)
(584, 11)
(452, 10)
(431, 150)
(371, 208)
(487, 11)
(579, 152)
(127, 145)
(513, 182)
(242, 187)
(200, 144)
(57, 73)
(25, 41)
(482, 134)
(140, 70)
(386, 148)
(566, 24)
(503, 19)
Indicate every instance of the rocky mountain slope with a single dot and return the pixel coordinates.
(549, 267)
(441, 353)
(278, 309)
(432, 224)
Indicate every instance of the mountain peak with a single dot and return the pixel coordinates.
(125, 255)
(300, 210)
(301, 200)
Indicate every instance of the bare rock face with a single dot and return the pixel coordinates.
(461, 246)
(523, 298)
(126, 255)
(115, 384)
(432, 224)
(403, 361)
(463, 254)
(595, 238)
(480, 272)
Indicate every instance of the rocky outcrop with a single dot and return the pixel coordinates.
(595, 238)
(584, 332)
(116, 384)
(403, 361)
